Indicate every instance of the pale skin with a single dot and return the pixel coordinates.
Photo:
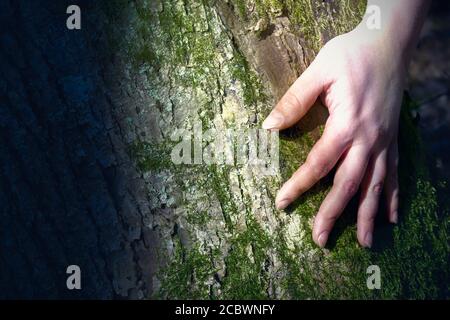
(359, 77)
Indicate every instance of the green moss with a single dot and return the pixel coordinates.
(251, 84)
(144, 55)
(247, 276)
(313, 21)
(303, 17)
(412, 255)
(240, 6)
(189, 271)
(269, 8)
(149, 156)
(187, 274)
(198, 218)
(294, 148)
(220, 185)
(416, 258)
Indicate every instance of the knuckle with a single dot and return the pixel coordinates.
(366, 217)
(343, 129)
(349, 187)
(377, 188)
(344, 135)
(318, 166)
(291, 101)
(369, 218)
(376, 134)
(331, 218)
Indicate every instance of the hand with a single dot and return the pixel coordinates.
(360, 80)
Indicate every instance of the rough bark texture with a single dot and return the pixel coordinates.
(86, 176)
(70, 194)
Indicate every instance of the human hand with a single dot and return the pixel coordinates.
(360, 80)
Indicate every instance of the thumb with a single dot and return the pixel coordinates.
(297, 100)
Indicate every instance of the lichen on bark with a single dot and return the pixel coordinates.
(224, 64)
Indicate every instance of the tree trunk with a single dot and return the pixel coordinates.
(89, 125)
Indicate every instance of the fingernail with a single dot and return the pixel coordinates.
(368, 240)
(273, 121)
(322, 239)
(282, 204)
(394, 217)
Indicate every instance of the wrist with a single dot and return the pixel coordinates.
(393, 27)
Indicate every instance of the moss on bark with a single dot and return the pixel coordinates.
(223, 237)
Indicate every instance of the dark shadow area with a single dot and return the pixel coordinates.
(61, 187)
(267, 32)
(429, 83)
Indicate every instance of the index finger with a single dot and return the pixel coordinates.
(297, 100)
(321, 159)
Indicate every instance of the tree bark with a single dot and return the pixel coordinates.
(87, 178)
